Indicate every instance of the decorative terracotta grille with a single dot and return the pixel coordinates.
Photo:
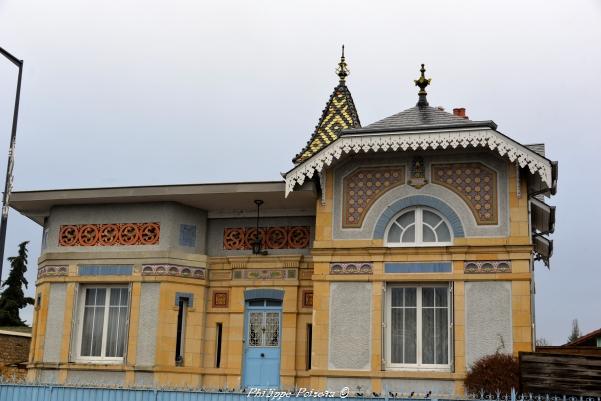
(109, 234)
(284, 237)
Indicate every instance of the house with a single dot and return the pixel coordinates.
(390, 258)
(592, 339)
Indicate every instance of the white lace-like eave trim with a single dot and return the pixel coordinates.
(485, 138)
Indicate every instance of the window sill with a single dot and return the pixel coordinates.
(417, 369)
(98, 362)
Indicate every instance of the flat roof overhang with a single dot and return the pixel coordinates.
(219, 199)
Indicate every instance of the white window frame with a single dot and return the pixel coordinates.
(419, 228)
(388, 324)
(80, 313)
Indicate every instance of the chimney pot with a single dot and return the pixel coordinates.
(459, 112)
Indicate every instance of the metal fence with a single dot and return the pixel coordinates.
(46, 392)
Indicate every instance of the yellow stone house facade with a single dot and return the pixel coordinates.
(390, 258)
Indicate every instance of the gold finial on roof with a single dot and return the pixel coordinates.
(422, 82)
(342, 71)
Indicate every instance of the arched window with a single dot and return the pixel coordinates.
(418, 226)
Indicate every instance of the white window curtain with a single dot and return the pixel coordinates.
(418, 326)
(104, 323)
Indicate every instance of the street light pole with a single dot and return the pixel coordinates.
(11, 159)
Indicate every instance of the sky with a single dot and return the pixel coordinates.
(164, 92)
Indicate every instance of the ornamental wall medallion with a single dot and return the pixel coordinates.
(174, 270)
(53, 271)
(418, 173)
(363, 187)
(475, 183)
(284, 237)
(351, 268)
(109, 234)
(220, 299)
(494, 266)
(264, 274)
(307, 298)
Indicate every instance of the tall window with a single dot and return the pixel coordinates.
(103, 323)
(180, 340)
(418, 326)
(418, 227)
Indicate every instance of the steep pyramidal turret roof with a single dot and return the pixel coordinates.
(339, 114)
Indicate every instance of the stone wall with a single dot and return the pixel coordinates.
(13, 349)
(14, 352)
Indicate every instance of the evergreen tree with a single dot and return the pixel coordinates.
(12, 298)
(575, 331)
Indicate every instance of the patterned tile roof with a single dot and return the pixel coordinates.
(340, 113)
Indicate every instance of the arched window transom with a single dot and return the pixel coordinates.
(418, 226)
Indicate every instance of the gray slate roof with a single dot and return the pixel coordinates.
(420, 118)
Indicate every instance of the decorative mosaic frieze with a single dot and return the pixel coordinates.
(452, 139)
(105, 270)
(475, 183)
(495, 266)
(283, 237)
(264, 274)
(174, 270)
(307, 298)
(53, 271)
(220, 299)
(363, 187)
(109, 234)
(351, 268)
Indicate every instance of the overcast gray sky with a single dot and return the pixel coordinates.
(161, 92)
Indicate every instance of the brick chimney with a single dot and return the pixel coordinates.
(459, 112)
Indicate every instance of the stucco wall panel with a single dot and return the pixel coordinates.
(55, 322)
(350, 326)
(488, 324)
(47, 376)
(419, 386)
(96, 378)
(147, 325)
(144, 379)
(354, 384)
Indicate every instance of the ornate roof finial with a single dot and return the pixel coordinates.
(342, 71)
(422, 82)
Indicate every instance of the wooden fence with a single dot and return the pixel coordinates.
(560, 373)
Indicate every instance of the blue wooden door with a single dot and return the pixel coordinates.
(262, 344)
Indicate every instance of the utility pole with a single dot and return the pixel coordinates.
(11, 159)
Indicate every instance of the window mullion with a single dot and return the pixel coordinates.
(419, 229)
(105, 323)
